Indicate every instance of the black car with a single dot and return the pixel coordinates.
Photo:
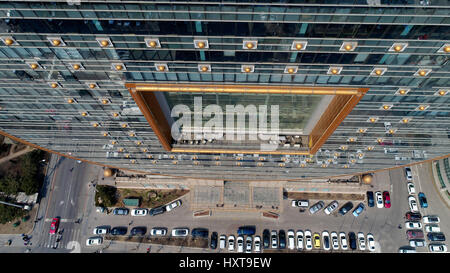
(370, 201)
(352, 240)
(156, 211)
(266, 238)
(200, 232)
(121, 211)
(436, 237)
(119, 231)
(282, 238)
(213, 243)
(138, 231)
(345, 208)
(413, 216)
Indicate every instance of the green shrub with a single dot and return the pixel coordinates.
(107, 195)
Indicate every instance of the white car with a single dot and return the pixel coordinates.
(431, 219)
(299, 239)
(343, 239)
(222, 241)
(371, 242)
(411, 188)
(379, 199)
(408, 174)
(257, 244)
(413, 225)
(231, 243)
(432, 228)
(413, 204)
(180, 232)
(101, 230)
(158, 231)
(274, 238)
(248, 244)
(417, 243)
(361, 241)
(139, 212)
(173, 205)
(240, 244)
(300, 203)
(326, 240)
(291, 239)
(334, 240)
(331, 207)
(437, 248)
(94, 241)
(308, 240)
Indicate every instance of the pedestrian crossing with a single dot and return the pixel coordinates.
(60, 240)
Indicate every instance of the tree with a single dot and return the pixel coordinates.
(107, 195)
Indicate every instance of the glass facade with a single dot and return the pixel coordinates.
(89, 114)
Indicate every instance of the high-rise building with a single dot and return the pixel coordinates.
(199, 88)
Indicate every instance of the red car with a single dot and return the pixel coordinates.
(387, 199)
(54, 225)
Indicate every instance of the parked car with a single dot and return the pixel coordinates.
(326, 240)
(300, 203)
(414, 234)
(158, 231)
(436, 237)
(100, 209)
(408, 174)
(331, 207)
(180, 232)
(371, 242)
(432, 228)
(222, 241)
(411, 188)
(121, 211)
(343, 239)
(358, 210)
(316, 207)
(156, 211)
(316, 238)
(437, 248)
(345, 208)
(94, 241)
(139, 212)
(248, 244)
(139, 231)
(299, 239)
(240, 244)
(413, 225)
(431, 219)
(308, 240)
(422, 200)
(200, 232)
(231, 243)
(413, 216)
(266, 238)
(101, 230)
(282, 238)
(274, 239)
(257, 244)
(407, 249)
(386, 199)
(417, 243)
(291, 239)
(246, 230)
(119, 231)
(370, 200)
(352, 240)
(379, 198)
(334, 240)
(361, 241)
(413, 204)
(213, 241)
(173, 205)
(54, 225)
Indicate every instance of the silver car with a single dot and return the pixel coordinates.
(316, 207)
(248, 244)
(331, 207)
(240, 244)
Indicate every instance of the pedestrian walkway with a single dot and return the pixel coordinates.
(440, 179)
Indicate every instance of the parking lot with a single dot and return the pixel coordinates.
(386, 224)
